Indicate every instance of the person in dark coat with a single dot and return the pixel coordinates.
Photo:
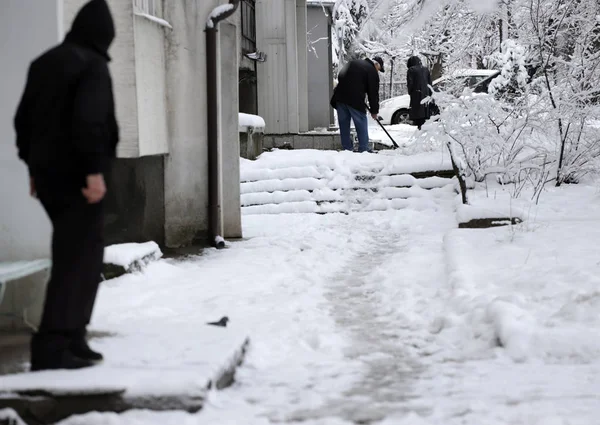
(418, 80)
(67, 135)
(357, 80)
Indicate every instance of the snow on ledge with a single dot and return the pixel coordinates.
(125, 254)
(154, 19)
(251, 121)
(217, 13)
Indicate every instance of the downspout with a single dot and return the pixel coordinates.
(212, 106)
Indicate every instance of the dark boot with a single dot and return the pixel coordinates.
(50, 351)
(81, 349)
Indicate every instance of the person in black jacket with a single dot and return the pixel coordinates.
(418, 80)
(357, 79)
(67, 135)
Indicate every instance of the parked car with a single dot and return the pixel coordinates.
(396, 109)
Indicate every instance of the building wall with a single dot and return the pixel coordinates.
(281, 29)
(135, 201)
(150, 70)
(320, 81)
(186, 167)
(230, 138)
(145, 192)
(301, 28)
(24, 228)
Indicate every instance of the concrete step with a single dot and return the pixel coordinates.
(48, 397)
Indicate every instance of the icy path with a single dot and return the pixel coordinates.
(356, 359)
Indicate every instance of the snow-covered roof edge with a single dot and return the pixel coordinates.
(319, 3)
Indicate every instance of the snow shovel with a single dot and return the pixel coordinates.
(396, 146)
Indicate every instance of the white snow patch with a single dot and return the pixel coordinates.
(253, 121)
(154, 19)
(125, 254)
(533, 291)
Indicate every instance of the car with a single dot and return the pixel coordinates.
(396, 109)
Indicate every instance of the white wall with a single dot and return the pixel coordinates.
(186, 167)
(151, 86)
(24, 228)
(230, 136)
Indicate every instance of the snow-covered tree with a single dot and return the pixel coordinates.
(349, 16)
(513, 78)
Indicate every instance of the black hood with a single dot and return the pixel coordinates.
(93, 27)
(413, 61)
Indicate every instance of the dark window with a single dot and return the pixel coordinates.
(248, 26)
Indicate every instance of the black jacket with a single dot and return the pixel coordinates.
(357, 79)
(65, 122)
(418, 80)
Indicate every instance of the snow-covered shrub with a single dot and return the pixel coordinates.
(565, 36)
(512, 80)
(489, 136)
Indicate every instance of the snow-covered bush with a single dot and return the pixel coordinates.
(513, 77)
(491, 137)
(566, 38)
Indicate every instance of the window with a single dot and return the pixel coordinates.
(248, 26)
(150, 7)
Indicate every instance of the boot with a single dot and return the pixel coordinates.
(50, 351)
(80, 348)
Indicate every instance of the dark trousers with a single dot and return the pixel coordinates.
(419, 122)
(77, 257)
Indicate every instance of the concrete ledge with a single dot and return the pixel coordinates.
(251, 144)
(41, 405)
(303, 141)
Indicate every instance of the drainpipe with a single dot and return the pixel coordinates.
(212, 106)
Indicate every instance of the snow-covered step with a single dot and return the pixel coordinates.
(321, 182)
(283, 173)
(338, 182)
(274, 185)
(365, 205)
(331, 195)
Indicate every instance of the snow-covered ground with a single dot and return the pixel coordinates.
(386, 317)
